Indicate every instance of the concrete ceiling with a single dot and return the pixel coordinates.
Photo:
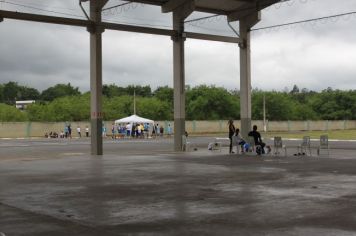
(233, 9)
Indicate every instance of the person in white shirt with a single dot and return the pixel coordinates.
(128, 129)
(238, 140)
(78, 131)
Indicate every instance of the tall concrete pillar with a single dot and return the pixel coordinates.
(178, 80)
(96, 78)
(245, 71)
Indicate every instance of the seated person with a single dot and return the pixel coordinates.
(238, 139)
(257, 137)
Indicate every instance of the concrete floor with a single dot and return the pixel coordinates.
(143, 188)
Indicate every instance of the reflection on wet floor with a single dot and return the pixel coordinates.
(54, 190)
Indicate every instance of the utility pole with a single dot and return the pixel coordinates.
(264, 113)
(134, 101)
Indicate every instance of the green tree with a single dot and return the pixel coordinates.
(211, 103)
(1, 93)
(113, 90)
(335, 104)
(70, 108)
(59, 90)
(28, 93)
(154, 108)
(11, 114)
(164, 94)
(117, 107)
(10, 92)
(279, 106)
(295, 90)
(143, 91)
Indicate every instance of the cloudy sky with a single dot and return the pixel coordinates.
(315, 55)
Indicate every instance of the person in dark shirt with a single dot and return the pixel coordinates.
(257, 137)
(231, 133)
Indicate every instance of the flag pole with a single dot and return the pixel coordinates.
(134, 102)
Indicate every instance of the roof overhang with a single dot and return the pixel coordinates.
(233, 9)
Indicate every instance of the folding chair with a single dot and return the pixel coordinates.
(278, 144)
(305, 146)
(324, 144)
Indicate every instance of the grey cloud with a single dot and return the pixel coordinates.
(42, 55)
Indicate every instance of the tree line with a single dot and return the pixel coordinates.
(63, 102)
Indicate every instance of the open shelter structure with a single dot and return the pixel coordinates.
(247, 12)
(134, 119)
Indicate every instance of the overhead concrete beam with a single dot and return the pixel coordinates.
(217, 38)
(44, 19)
(251, 19)
(249, 8)
(244, 11)
(184, 10)
(104, 3)
(173, 4)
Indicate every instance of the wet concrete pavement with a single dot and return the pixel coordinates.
(146, 189)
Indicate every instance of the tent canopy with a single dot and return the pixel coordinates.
(134, 119)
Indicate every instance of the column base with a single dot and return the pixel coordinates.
(96, 137)
(179, 130)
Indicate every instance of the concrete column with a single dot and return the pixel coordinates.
(96, 78)
(245, 71)
(179, 80)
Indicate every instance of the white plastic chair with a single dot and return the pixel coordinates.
(251, 141)
(304, 147)
(278, 145)
(324, 144)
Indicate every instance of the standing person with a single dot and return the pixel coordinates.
(161, 130)
(146, 129)
(69, 131)
(78, 131)
(113, 131)
(157, 130)
(133, 130)
(119, 130)
(138, 130)
(66, 131)
(257, 138)
(104, 130)
(169, 130)
(231, 133)
(128, 129)
(142, 131)
(153, 131)
(87, 131)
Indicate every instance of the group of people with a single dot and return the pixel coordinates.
(235, 136)
(67, 132)
(137, 130)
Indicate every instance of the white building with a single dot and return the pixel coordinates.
(22, 105)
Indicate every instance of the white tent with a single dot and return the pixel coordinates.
(134, 119)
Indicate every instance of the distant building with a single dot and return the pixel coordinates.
(22, 105)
